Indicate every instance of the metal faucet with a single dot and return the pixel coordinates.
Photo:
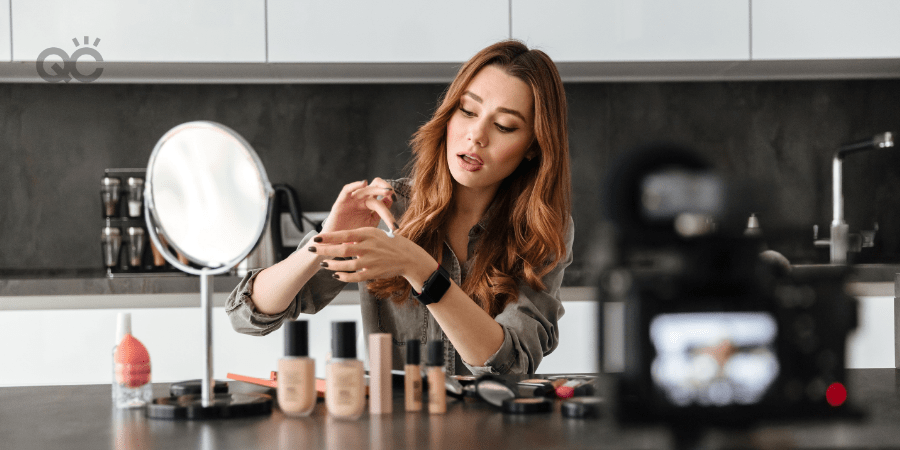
(842, 241)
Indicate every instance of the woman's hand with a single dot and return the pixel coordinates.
(374, 255)
(360, 205)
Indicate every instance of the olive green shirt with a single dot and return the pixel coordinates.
(530, 324)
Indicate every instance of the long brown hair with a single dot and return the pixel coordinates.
(524, 236)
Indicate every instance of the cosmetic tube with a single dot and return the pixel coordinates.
(437, 394)
(296, 372)
(345, 395)
(413, 376)
(380, 362)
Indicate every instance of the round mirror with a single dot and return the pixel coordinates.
(207, 194)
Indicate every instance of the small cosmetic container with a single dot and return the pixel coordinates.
(437, 394)
(380, 361)
(132, 362)
(296, 372)
(413, 376)
(345, 394)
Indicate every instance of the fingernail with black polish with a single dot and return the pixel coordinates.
(324, 264)
(317, 239)
(312, 249)
(335, 276)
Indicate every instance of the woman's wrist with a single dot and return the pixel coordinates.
(418, 269)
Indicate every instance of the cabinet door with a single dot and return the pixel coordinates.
(635, 30)
(373, 31)
(142, 31)
(5, 49)
(826, 29)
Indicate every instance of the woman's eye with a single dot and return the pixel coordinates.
(505, 129)
(466, 112)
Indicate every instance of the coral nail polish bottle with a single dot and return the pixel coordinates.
(132, 374)
(345, 394)
(296, 372)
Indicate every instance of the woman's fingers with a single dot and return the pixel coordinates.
(383, 211)
(354, 270)
(349, 189)
(372, 191)
(364, 250)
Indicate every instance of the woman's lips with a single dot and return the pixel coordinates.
(468, 163)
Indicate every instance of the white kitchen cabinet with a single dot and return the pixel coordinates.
(133, 31)
(5, 49)
(826, 29)
(635, 30)
(363, 31)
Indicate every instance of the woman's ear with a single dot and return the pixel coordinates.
(533, 151)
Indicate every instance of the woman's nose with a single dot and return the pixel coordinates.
(478, 133)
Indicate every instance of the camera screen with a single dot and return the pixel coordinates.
(714, 359)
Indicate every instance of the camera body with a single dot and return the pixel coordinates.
(713, 333)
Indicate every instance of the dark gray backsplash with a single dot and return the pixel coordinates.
(55, 142)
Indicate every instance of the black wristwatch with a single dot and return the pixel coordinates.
(434, 288)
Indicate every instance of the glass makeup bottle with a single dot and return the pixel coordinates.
(132, 366)
(345, 394)
(413, 376)
(437, 393)
(296, 372)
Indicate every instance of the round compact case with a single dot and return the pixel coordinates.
(582, 407)
(527, 405)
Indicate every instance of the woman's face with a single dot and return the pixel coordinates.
(491, 130)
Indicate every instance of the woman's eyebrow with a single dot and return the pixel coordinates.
(500, 109)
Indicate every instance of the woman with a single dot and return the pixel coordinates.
(487, 197)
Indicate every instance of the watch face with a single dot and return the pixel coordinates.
(435, 287)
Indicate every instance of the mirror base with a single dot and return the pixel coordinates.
(190, 407)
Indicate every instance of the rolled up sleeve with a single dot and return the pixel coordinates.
(318, 292)
(530, 324)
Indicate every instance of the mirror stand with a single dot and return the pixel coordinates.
(213, 400)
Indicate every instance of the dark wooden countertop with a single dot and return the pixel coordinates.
(81, 417)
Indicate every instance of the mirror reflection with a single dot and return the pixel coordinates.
(207, 193)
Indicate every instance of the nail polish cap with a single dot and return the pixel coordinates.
(413, 352)
(435, 353)
(123, 326)
(343, 339)
(296, 338)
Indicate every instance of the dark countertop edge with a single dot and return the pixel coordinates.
(185, 299)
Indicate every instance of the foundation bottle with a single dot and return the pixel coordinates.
(345, 394)
(413, 376)
(437, 393)
(296, 372)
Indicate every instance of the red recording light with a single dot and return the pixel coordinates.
(836, 394)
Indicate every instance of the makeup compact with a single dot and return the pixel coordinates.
(582, 407)
(495, 390)
(530, 405)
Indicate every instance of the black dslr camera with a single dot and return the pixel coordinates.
(714, 335)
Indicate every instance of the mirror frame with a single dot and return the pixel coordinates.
(150, 206)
